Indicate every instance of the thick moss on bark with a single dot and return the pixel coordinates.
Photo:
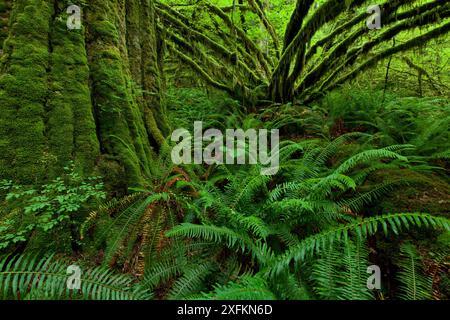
(119, 120)
(5, 9)
(23, 91)
(79, 94)
(70, 124)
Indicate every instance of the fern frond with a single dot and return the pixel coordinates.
(24, 275)
(354, 279)
(191, 281)
(366, 156)
(331, 148)
(127, 221)
(360, 200)
(363, 228)
(245, 288)
(415, 285)
(226, 236)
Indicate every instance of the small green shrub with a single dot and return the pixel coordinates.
(45, 207)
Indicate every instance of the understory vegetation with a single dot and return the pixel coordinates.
(87, 178)
(228, 232)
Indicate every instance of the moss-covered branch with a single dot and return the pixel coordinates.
(387, 8)
(408, 20)
(267, 24)
(203, 73)
(303, 34)
(417, 41)
(207, 58)
(263, 59)
(296, 21)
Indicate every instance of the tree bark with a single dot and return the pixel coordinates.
(91, 96)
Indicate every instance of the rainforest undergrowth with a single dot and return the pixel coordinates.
(358, 208)
(227, 232)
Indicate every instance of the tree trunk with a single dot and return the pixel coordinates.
(91, 96)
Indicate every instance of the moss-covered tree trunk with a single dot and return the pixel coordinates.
(89, 95)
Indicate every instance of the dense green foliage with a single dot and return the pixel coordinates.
(226, 232)
(87, 177)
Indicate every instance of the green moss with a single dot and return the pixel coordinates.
(105, 31)
(5, 8)
(120, 117)
(426, 193)
(77, 94)
(156, 121)
(71, 126)
(23, 90)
